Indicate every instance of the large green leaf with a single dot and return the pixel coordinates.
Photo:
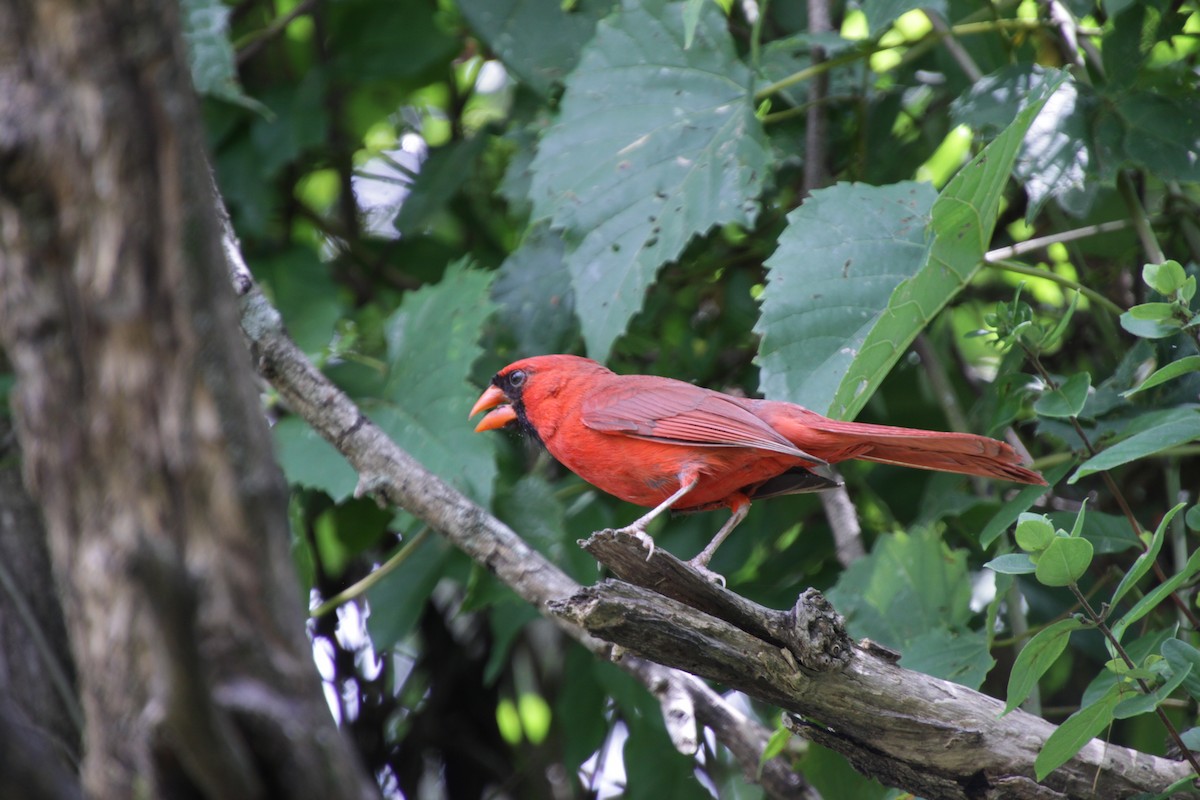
(1056, 159)
(1072, 735)
(654, 144)
(538, 40)
(1177, 427)
(534, 294)
(841, 256)
(907, 588)
(964, 217)
(1037, 656)
(431, 345)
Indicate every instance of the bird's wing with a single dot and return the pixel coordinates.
(674, 412)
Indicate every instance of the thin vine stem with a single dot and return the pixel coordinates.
(358, 589)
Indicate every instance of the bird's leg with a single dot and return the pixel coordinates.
(637, 528)
(740, 507)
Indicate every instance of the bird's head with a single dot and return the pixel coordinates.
(526, 387)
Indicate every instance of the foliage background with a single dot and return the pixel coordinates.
(431, 190)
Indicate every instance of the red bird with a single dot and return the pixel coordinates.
(664, 443)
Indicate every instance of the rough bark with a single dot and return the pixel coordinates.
(139, 422)
(40, 720)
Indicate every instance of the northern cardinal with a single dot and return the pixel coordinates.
(664, 443)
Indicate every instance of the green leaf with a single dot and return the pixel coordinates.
(842, 254)
(1079, 728)
(679, 151)
(1011, 510)
(1012, 564)
(534, 294)
(882, 13)
(1146, 560)
(1178, 427)
(304, 291)
(1064, 561)
(1162, 133)
(440, 178)
(960, 657)
(1143, 703)
(538, 41)
(431, 345)
(1149, 328)
(1165, 278)
(397, 601)
(907, 587)
(775, 745)
(1037, 656)
(308, 460)
(964, 217)
(1153, 311)
(1067, 400)
(1157, 595)
(1034, 533)
(1171, 371)
(1193, 518)
(210, 53)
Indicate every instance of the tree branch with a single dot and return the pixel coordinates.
(932, 737)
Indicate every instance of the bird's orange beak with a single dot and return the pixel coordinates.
(501, 415)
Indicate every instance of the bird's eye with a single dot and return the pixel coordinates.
(516, 378)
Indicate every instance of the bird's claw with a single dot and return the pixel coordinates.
(709, 575)
(642, 537)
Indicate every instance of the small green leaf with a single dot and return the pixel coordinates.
(1037, 656)
(1143, 703)
(1012, 564)
(1171, 371)
(775, 745)
(1146, 560)
(1191, 740)
(1164, 278)
(1034, 533)
(1067, 400)
(1149, 328)
(1193, 518)
(1153, 311)
(1075, 732)
(1077, 527)
(1064, 561)
(1159, 593)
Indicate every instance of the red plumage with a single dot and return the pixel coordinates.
(668, 444)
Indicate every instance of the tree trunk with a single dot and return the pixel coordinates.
(140, 425)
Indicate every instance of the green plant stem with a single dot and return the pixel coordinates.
(1116, 492)
(360, 588)
(1062, 237)
(1102, 626)
(1141, 221)
(1054, 277)
(756, 34)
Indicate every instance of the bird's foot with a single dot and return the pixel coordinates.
(709, 575)
(641, 536)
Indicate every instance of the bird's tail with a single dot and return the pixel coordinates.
(832, 440)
